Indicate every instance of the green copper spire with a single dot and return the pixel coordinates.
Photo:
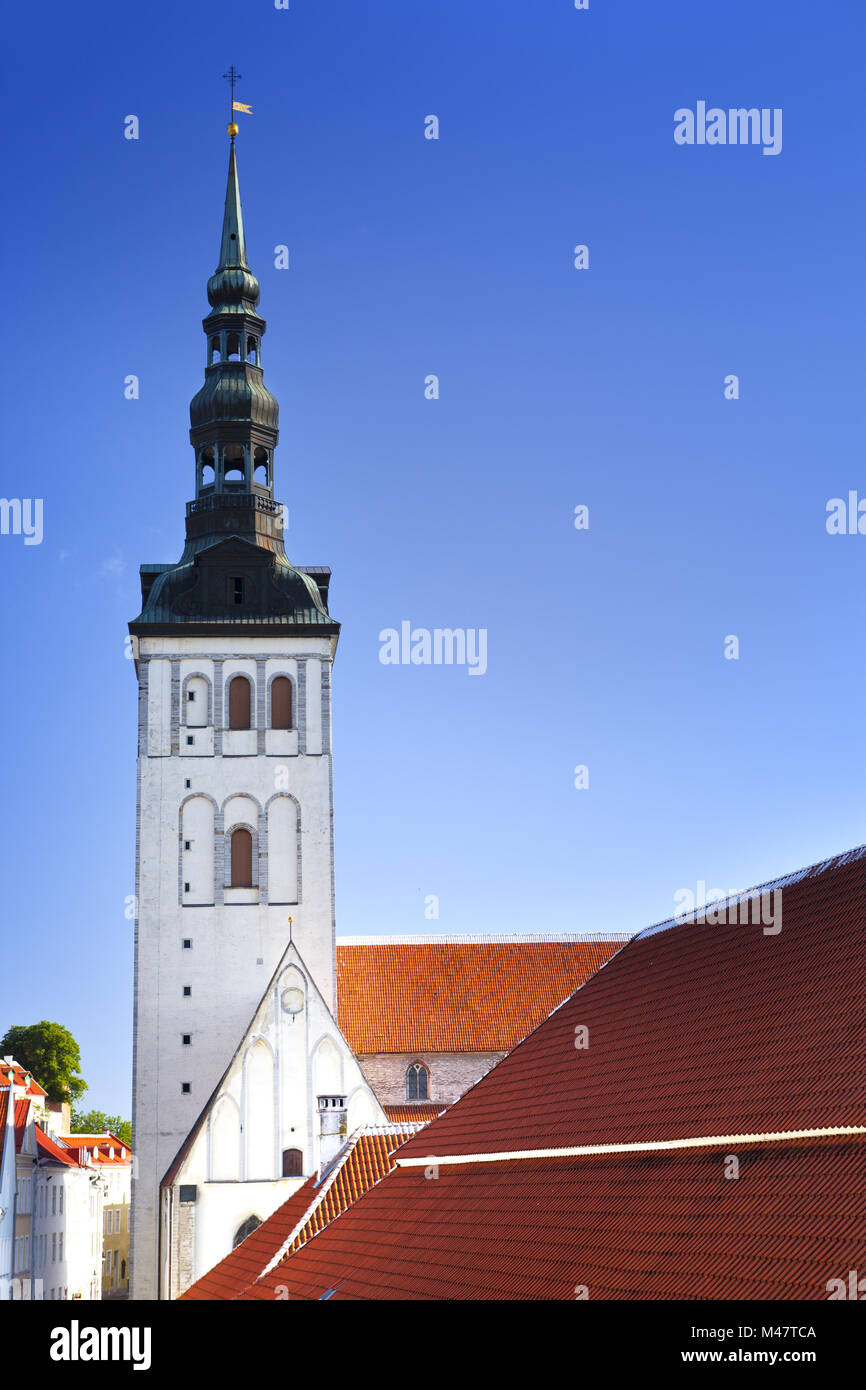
(233, 288)
(233, 249)
(234, 568)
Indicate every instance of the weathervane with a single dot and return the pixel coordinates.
(232, 77)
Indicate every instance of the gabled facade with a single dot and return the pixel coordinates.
(282, 1111)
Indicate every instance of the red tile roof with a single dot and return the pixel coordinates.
(362, 1163)
(102, 1143)
(415, 1112)
(33, 1087)
(696, 1032)
(48, 1147)
(669, 1226)
(440, 995)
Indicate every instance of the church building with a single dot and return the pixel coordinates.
(263, 1047)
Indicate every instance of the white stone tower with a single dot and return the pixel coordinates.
(233, 651)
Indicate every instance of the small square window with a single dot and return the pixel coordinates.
(185, 1088)
(186, 1038)
(187, 844)
(187, 943)
(187, 784)
(190, 695)
(187, 991)
(186, 887)
(190, 739)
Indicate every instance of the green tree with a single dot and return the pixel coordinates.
(51, 1054)
(97, 1122)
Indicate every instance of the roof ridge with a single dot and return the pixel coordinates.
(481, 938)
(638, 1146)
(773, 885)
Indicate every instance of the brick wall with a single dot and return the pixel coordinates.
(451, 1073)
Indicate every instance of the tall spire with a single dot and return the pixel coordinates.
(234, 566)
(233, 288)
(233, 249)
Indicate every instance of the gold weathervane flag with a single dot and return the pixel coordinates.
(239, 106)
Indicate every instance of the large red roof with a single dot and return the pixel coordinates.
(693, 1030)
(668, 1226)
(704, 1042)
(457, 995)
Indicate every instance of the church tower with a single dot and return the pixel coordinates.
(233, 650)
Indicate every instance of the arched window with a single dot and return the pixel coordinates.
(239, 703)
(208, 473)
(251, 1223)
(253, 351)
(293, 1163)
(233, 347)
(213, 351)
(242, 859)
(416, 1082)
(281, 703)
(234, 463)
(261, 467)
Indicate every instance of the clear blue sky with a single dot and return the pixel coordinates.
(558, 387)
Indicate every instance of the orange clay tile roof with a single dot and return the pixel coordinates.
(418, 994)
(49, 1148)
(366, 1159)
(103, 1143)
(709, 1038)
(415, 1112)
(33, 1087)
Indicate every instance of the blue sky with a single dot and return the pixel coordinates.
(557, 388)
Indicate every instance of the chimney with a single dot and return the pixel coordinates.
(59, 1118)
(332, 1127)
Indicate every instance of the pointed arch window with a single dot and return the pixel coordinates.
(251, 1224)
(242, 859)
(281, 703)
(239, 703)
(417, 1078)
